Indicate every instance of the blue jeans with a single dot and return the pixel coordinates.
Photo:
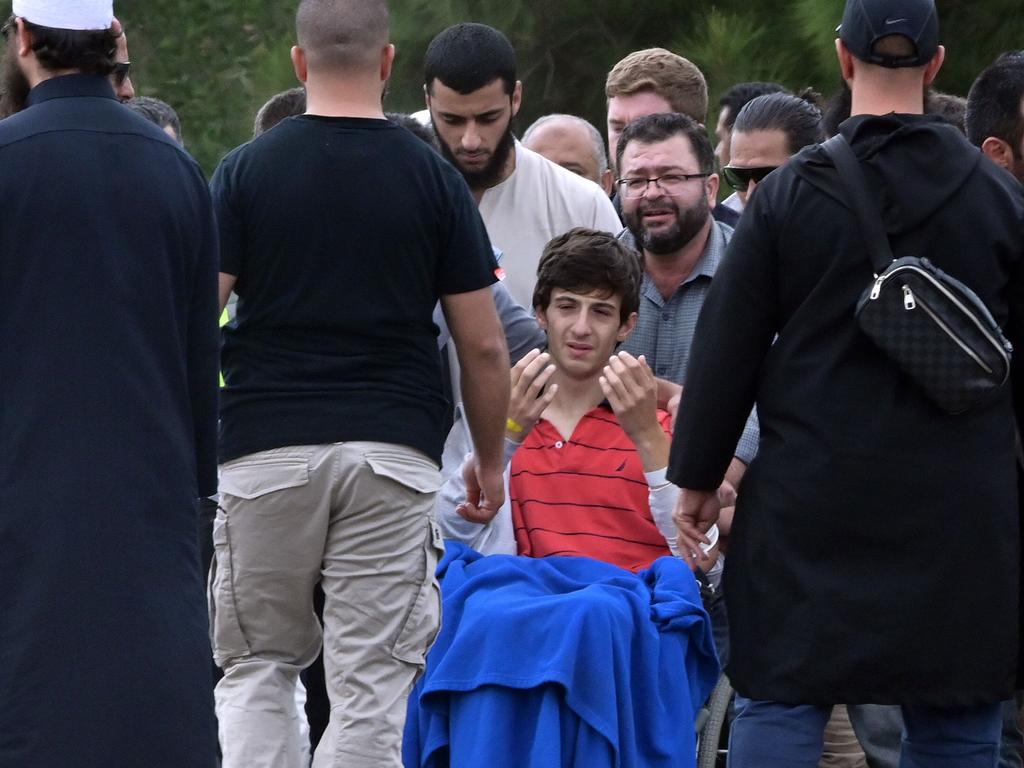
(768, 734)
(879, 729)
(719, 625)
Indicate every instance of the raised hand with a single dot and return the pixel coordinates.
(632, 391)
(530, 393)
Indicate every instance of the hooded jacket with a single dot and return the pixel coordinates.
(874, 554)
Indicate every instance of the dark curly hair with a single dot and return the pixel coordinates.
(91, 52)
(584, 260)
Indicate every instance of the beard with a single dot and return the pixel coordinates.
(14, 84)
(493, 171)
(669, 240)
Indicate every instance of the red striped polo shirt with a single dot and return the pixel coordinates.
(585, 496)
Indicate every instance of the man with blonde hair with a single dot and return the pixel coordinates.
(651, 82)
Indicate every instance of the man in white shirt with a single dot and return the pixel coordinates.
(525, 200)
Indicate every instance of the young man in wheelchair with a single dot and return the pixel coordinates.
(546, 661)
(586, 444)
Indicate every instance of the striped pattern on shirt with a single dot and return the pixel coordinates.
(586, 496)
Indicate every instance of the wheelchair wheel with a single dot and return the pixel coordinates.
(710, 753)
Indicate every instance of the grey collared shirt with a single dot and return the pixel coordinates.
(665, 327)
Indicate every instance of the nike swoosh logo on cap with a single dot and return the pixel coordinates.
(895, 21)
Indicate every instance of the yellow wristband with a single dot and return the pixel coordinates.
(513, 426)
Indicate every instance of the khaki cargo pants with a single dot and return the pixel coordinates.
(357, 517)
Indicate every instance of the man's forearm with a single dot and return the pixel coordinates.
(485, 392)
(735, 473)
(483, 357)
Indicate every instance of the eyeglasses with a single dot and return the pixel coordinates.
(671, 184)
(740, 178)
(121, 71)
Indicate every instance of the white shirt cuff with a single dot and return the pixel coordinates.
(657, 478)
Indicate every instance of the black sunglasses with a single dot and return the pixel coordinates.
(740, 178)
(121, 71)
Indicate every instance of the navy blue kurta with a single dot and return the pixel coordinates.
(108, 375)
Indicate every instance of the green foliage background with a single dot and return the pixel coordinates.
(217, 62)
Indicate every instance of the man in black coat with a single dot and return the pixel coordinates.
(874, 554)
(108, 412)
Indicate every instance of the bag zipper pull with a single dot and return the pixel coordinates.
(908, 298)
(877, 287)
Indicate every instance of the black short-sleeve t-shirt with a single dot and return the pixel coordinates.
(342, 234)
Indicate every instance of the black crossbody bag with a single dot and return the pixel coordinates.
(936, 329)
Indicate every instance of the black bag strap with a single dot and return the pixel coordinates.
(851, 176)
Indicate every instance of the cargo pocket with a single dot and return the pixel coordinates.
(406, 468)
(247, 487)
(253, 477)
(423, 622)
(226, 634)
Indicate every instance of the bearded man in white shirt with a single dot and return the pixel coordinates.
(525, 200)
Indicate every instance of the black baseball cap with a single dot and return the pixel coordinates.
(865, 22)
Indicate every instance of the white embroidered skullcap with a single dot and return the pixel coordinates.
(66, 14)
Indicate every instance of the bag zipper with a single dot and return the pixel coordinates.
(876, 290)
(909, 303)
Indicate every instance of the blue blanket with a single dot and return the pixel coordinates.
(562, 661)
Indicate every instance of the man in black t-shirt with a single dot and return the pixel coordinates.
(339, 233)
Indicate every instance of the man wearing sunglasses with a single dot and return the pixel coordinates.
(120, 78)
(769, 130)
(744, 179)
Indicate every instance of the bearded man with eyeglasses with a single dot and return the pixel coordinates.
(667, 187)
